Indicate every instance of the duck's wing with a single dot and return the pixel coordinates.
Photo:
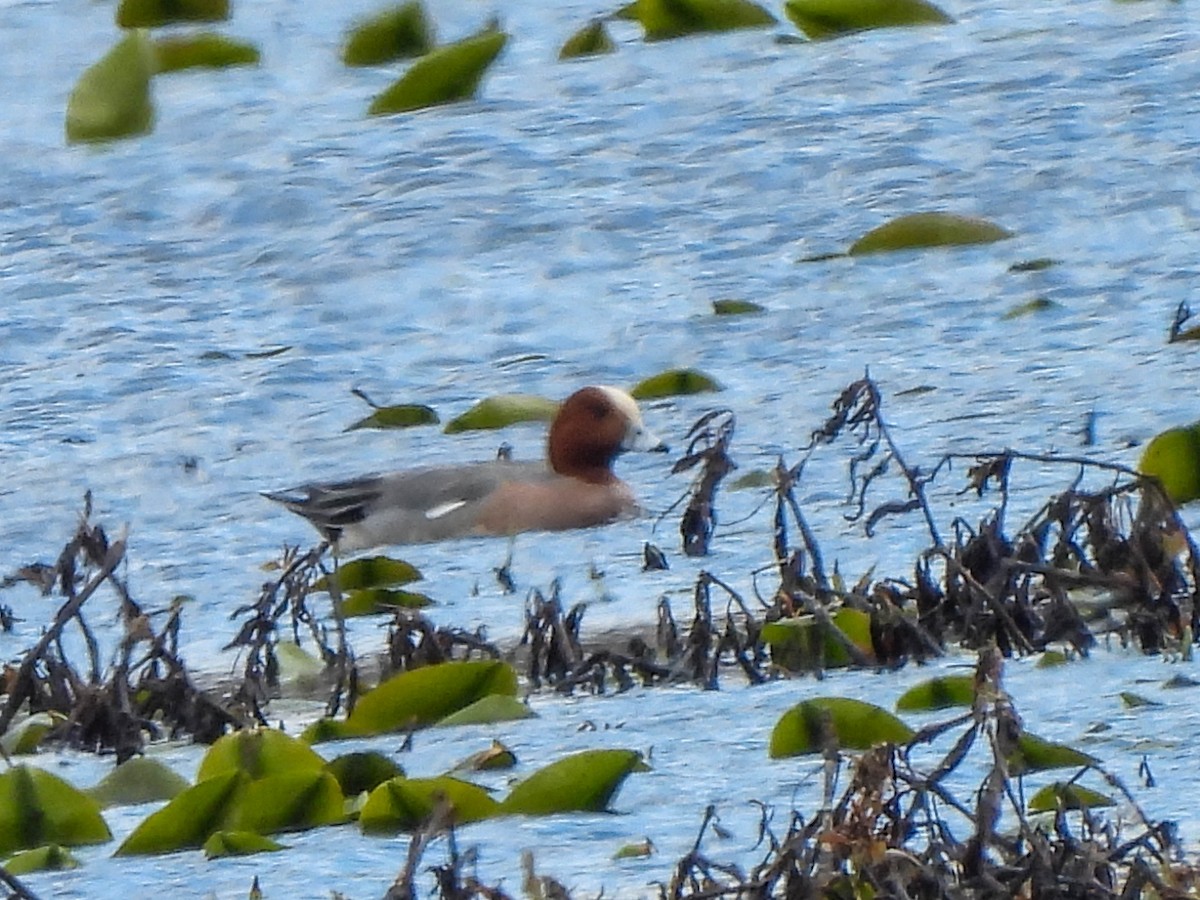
(408, 507)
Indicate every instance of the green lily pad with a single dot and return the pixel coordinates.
(404, 415)
(737, 308)
(25, 737)
(238, 843)
(1051, 658)
(674, 383)
(287, 802)
(487, 710)
(665, 19)
(582, 782)
(799, 644)
(155, 13)
(138, 780)
(851, 724)
(372, 572)
(754, 479)
(932, 229)
(590, 40)
(503, 410)
(938, 693)
(51, 858)
(403, 804)
(297, 667)
(1040, 264)
(421, 697)
(363, 771)
(495, 758)
(187, 821)
(1131, 700)
(1173, 457)
(447, 75)
(259, 752)
(374, 601)
(38, 808)
(640, 850)
(1052, 797)
(206, 50)
(830, 18)
(1029, 308)
(1035, 754)
(111, 99)
(395, 33)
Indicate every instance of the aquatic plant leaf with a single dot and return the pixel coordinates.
(187, 820)
(39, 808)
(421, 697)
(800, 644)
(394, 33)
(138, 780)
(238, 843)
(755, 478)
(373, 601)
(1173, 457)
(296, 665)
(494, 758)
(112, 99)
(848, 723)
(1039, 264)
(1130, 700)
(403, 804)
(205, 50)
(737, 308)
(938, 693)
(582, 782)
(1052, 797)
(673, 383)
(154, 13)
(259, 752)
(1051, 658)
(51, 858)
(590, 40)
(24, 738)
(287, 802)
(326, 730)
(641, 850)
(404, 415)
(489, 709)
(1035, 754)
(372, 572)
(1029, 308)
(446, 75)
(930, 229)
(829, 18)
(503, 410)
(363, 771)
(666, 19)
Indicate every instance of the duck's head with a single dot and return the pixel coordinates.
(592, 427)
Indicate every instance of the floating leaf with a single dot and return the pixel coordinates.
(403, 804)
(404, 415)
(640, 850)
(373, 601)
(1051, 658)
(111, 99)
(1030, 307)
(187, 821)
(138, 780)
(155, 13)
(1131, 700)
(1059, 795)
(800, 643)
(932, 229)
(1173, 457)
(665, 19)
(582, 782)
(590, 40)
(395, 33)
(238, 843)
(446, 75)
(259, 752)
(737, 308)
(294, 800)
(487, 710)
(297, 667)
(755, 478)
(494, 758)
(938, 693)
(674, 382)
(206, 50)
(39, 808)
(503, 410)
(850, 724)
(424, 696)
(23, 739)
(372, 572)
(1035, 754)
(830, 18)
(363, 771)
(1033, 265)
(51, 858)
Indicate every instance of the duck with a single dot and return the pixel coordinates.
(574, 487)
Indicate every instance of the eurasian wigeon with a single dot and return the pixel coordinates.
(574, 488)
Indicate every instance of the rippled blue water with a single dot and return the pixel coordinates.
(574, 225)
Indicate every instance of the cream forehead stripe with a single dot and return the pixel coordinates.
(623, 402)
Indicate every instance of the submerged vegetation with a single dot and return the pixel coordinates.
(1112, 557)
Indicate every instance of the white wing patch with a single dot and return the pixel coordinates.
(444, 509)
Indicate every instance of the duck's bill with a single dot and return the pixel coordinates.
(641, 440)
